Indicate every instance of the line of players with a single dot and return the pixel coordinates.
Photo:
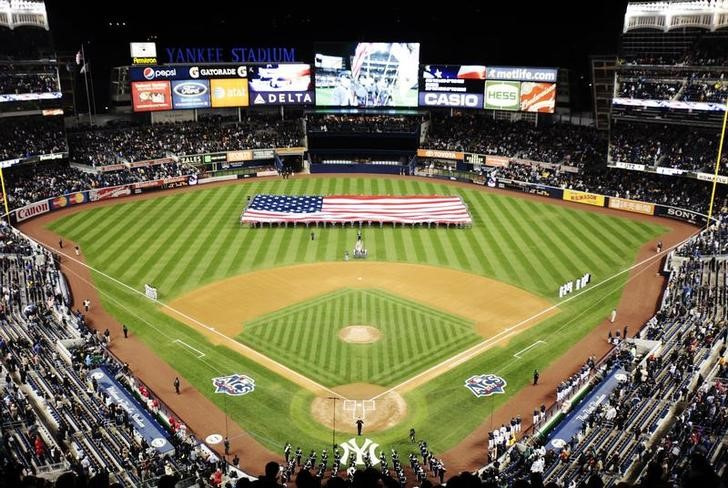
(435, 465)
(502, 438)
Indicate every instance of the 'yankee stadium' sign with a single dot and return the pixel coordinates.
(232, 55)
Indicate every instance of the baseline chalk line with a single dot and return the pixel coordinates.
(200, 353)
(535, 344)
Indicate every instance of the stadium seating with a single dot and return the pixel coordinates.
(49, 395)
(128, 143)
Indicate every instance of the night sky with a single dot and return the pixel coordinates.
(505, 33)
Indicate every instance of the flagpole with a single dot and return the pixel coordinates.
(85, 77)
(717, 161)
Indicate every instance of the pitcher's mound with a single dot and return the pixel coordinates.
(378, 414)
(359, 334)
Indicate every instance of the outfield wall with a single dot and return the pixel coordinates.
(584, 198)
(593, 199)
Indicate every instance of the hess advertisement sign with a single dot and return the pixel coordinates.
(503, 95)
(229, 93)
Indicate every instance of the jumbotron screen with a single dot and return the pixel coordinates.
(367, 74)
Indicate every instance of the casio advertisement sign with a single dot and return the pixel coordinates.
(467, 100)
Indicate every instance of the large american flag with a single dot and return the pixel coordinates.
(351, 208)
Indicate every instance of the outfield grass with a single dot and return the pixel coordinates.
(182, 241)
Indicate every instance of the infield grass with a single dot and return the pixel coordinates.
(182, 241)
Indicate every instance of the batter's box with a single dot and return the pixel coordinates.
(359, 408)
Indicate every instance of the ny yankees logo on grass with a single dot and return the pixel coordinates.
(485, 385)
(234, 385)
(368, 446)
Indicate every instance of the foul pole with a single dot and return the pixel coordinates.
(717, 162)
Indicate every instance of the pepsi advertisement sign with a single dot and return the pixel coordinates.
(190, 94)
(189, 72)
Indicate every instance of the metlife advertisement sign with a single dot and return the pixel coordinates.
(188, 94)
(514, 73)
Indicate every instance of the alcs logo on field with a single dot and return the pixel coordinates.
(234, 385)
(485, 385)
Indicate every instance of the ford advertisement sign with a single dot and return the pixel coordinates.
(191, 94)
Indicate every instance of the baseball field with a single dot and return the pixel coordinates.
(396, 337)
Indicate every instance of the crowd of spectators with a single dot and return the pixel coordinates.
(648, 89)
(130, 142)
(30, 183)
(673, 146)
(362, 123)
(707, 50)
(622, 434)
(22, 137)
(53, 415)
(684, 452)
(28, 78)
(568, 144)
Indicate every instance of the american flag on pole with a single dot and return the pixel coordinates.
(307, 209)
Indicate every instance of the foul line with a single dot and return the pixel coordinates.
(200, 353)
(475, 350)
(535, 344)
(239, 345)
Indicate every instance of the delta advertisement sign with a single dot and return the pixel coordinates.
(280, 84)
